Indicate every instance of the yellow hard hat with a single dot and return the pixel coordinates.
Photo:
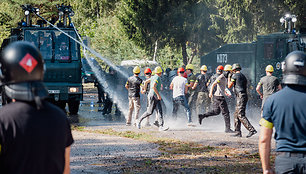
(136, 70)
(203, 68)
(189, 66)
(158, 70)
(228, 67)
(269, 68)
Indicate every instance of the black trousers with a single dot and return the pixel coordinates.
(219, 105)
(239, 115)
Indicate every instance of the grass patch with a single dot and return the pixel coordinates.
(166, 145)
(184, 157)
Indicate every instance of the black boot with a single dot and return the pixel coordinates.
(229, 131)
(201, 116)
(251, 133)
(238, 134)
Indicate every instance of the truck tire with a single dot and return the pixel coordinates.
(73, 107)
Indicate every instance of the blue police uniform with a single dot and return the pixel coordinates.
(286, 111)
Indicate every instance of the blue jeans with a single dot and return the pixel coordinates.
(181, 100)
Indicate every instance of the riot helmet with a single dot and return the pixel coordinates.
(294, 68)
(22, 70)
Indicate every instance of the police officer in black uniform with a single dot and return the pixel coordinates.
(35, 135)
(239, 81)
(286, 112)
(101, 92)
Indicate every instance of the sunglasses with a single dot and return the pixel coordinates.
(148, 73)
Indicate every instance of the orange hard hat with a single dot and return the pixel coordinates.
(181, 69)
(147, 71)
(220, 67)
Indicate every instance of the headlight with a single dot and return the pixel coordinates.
(74, 89)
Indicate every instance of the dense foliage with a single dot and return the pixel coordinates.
(173, 32)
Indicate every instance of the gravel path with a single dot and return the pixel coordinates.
(96, 153)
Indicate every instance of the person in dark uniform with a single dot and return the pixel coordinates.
(35, 135)
(101, 92)
(219, 102)
(113, 82)
(133, 85)
(270, 84)
(285, 111)
(239, 81)
(203, 101)
(192, 93)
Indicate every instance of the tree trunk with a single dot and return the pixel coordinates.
(194, 52)
(184, 53)
(155, 51)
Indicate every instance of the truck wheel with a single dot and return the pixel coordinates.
(73, 107)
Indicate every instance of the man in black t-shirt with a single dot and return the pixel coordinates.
(133, 85)
(35, 136)
(203, 101)
(239, 81)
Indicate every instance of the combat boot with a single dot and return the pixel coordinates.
(229, 131)
(201, 117)
(238, 134)
(251, 133)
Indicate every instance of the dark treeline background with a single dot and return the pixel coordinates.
(172, 32)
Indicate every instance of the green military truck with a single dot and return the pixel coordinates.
(61, 55)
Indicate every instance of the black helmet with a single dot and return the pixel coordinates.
(294, 68)
(22, 70)
(236, 67)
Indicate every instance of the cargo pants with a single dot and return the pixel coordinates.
(239, 115)
(192, 99)
(134, 103)
(203, 102)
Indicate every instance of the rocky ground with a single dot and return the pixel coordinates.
(103, 144)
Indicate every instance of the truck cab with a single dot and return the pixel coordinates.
(62, 60)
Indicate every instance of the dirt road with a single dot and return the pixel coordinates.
(101, 146)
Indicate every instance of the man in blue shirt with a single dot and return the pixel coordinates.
(286, 112)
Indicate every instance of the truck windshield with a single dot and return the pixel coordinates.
(53, 44)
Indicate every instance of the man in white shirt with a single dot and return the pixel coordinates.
(179, 85)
